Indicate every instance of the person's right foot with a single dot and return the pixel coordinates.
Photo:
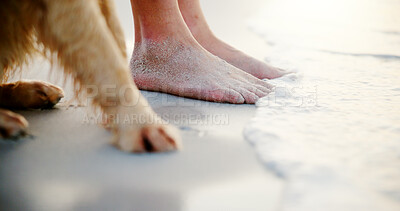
(239, 59)
(189, 70)
(196, 22)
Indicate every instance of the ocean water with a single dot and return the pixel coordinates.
(332, 129)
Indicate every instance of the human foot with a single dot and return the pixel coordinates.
(196, 22)
(239, 59)
(186, 69)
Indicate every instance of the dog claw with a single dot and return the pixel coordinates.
(150, 138)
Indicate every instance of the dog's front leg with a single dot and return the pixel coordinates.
(109, 12)
(77, 32)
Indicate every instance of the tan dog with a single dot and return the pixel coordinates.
(87, 39)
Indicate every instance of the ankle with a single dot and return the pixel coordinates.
(165, 43)
(203, 34)
(151, 52)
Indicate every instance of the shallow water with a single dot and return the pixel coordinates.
(332, 130)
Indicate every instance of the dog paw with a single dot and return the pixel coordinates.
(37, 94)
(12, 125)
(149, 138)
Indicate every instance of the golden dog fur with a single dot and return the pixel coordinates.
(88, 42)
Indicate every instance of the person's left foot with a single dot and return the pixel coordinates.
(184, 68)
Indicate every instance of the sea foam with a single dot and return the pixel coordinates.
(334, 133)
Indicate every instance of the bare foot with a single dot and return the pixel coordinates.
(240, 60)
(196, 22)
(188, 70)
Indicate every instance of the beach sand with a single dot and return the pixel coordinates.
(69, 165)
